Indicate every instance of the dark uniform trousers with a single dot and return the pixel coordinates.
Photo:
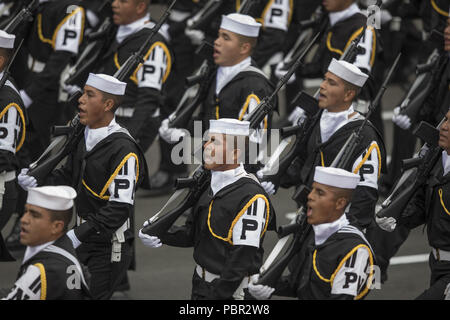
(106, 275)
(89, 172)
(431, 206)
(209, 230)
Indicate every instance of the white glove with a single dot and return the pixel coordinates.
(401, 120)
(259, 291)
(71, 89)
(269, 187)
(296, 115)
(170, 135)
(75, 242)
(386, 223)
(447, 292)
(280, 72)
(25, 98)
(196, 36)
(26, 181)
(149, 241)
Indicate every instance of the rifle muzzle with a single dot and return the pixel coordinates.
(182, 183)
(195, 79)
(61, 130)
(288, 229)
(411, 163)
(289, 131)
(424, 67)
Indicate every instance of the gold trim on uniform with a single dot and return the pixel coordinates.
(372, 146)
(330, 281)
(440, 192)
(108, 183)
(53, 40)
(43, 281)
(244, 209)
(22, 117)
(133, 77)
(438, 10)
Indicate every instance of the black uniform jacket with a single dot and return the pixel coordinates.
(57, 277)
(91, 173)
(431, 206)
(233, 100)
(322, 154)
(211, 229)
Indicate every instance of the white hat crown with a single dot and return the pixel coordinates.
(241, 24)
(230, 126)
(336, 177)
(6, 40)
(106, 83)
(348, 72)
(52, 197)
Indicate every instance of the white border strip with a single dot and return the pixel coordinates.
(417, 258)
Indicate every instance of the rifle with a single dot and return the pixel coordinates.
(200, 179)
(317, 24)
(428, 76)
(24, 15)
(6, 72)
(197, 87)
(416, 172)
(45, 164)
(266, 105)
(270, 273)
(197, 84)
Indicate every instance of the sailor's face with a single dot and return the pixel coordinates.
(227, 49)
(332, 92)
(36, 226)
(214, 152)
(444, 134)
(92, 108)
(447, 36)
(321, 206)
(336, 5)
(126, 11)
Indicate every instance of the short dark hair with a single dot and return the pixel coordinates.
(62, 215)
(351, 87)
(251, 40)
(115, 98)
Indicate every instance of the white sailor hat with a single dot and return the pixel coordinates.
(106, 83)
(230, 126)
(336, 177)
(6, 40)
(52, 197)
(241, 24)
(348, 72)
